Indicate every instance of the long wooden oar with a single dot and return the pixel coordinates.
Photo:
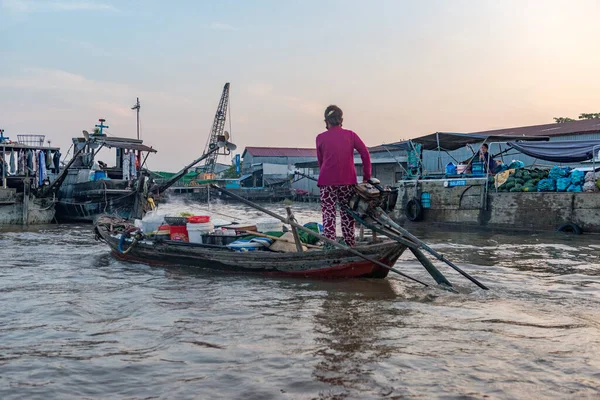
(414, 248)
(321, 237)
(434, 253)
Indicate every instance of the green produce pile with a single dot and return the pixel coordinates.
(523, 180)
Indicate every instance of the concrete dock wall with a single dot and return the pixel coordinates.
(469, 205)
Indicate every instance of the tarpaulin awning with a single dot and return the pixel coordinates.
(562, 151)
(128, 145)
(451, 141)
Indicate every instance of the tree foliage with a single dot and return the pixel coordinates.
(230, 173)
(560, 120)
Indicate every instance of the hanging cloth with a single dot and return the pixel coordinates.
(48, 160)
(42, 168)
(126, 163)
(56, 159)
(21, 163)
(12, 170)
(132, 165)
(30, 162)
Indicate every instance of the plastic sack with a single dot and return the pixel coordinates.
(546, 185)
(590, 187)
(562, 184)
(574, 188)
(592, 177)
(516, 164)
(577, 177)
(558, 172)
(310, 239)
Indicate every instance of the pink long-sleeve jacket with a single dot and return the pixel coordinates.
(335, 153)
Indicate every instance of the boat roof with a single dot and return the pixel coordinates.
(118, 142)
(19, 146)
(453, 141)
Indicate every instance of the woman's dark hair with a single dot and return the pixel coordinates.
(334, 115)
(485, 145)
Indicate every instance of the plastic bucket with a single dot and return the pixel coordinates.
(451, 169)
(195, 231)
(98, 175)
(461, 168)
(178, 233)
(425, 200)
(478, 168)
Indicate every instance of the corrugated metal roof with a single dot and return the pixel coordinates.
(280, 152)
(383, 147)
(566, 128)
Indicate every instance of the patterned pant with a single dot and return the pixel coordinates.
(330, 196)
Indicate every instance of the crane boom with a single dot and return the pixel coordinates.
(216, 132)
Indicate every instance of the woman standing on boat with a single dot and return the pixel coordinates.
(337, 175)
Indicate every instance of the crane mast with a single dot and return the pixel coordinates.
(216, 132)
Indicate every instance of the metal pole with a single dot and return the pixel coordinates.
(136, 107)
(208, 196)
(4, 167)
(437, 138)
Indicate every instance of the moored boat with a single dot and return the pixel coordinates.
(93, 187)
(315, 263)
(27, 168)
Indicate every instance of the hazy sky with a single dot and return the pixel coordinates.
(398, 69)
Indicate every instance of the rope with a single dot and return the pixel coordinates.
(99, 202)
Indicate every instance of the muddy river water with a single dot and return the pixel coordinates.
(76, 323)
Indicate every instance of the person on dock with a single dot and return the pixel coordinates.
(337, 176)
(486, 158)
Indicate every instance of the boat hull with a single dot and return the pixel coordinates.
(39, 211)
(86, 201)
(318, 264)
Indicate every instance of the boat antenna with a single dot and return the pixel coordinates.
(137, 108)
(101, 126)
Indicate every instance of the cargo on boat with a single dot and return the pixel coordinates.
(313, 263)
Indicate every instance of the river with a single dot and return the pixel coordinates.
(76, 323)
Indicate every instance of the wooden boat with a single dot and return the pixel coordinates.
(87, 192)
(315, 263)
(25, 198)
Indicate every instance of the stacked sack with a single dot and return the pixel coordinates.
(523, 180)
(591, 182)
(562, 179)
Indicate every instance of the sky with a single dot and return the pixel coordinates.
(399, 69)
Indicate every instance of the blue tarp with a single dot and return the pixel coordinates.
(571, 151)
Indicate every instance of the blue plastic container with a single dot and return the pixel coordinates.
(99, 175)
(477, 169)
(450, 169)
(425, 200)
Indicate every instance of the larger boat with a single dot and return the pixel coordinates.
(126, 190)
(522, 195)
(92, 187)
(28, 169)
